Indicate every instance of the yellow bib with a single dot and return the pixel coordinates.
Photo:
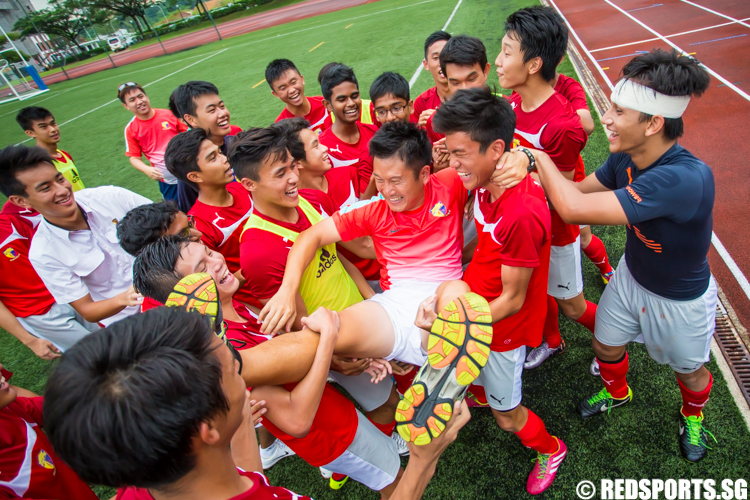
(325, 282)
(69, 171)
(364, 115)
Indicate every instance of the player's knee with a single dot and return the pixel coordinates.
(607, 352)
(507, 420)
(572, 309)
(449, 290)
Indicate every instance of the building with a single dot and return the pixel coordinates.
(10, 12)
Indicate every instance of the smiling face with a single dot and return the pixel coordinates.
(626, 134)
(290, 88)
(195, 257)
(511, 70)
(47, 192)
(432, 62)
(45, 131)
(214, 167)
(136, 101)
(211, 115)
(474, 168)
(7, 393)
(466, 77)
(402, 190)
(390, 108)
(316, 154)
(183, 225)
(277, 184)
(345, 102)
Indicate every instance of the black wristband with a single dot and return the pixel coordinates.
(532, 161)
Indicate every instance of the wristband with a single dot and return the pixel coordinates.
(530, 156)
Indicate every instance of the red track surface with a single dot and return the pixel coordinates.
(714, 124)
(197, 38)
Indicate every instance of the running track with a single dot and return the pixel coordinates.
(717, 33)
(241, 26)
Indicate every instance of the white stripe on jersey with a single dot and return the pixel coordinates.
(20, 484)
(126, 134)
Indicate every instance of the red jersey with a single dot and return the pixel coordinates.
(514, 230)
(343, 154)
(332, 430)
(555, 128)
(149, 303)
(150, 138)
(576, 96)
(246, 334)
(424, 244)
(429, 99)
(260, 490)
(433, 136)
(222, 227)
(21, 290)
(29, 467)
(263, 254)
(318, 116)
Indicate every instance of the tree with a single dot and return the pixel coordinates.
(56, 20)
(134, 9)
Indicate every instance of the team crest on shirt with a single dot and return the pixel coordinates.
(165, 125)
(515, 143)
(439, 210)
(44, 460)
(11, 253)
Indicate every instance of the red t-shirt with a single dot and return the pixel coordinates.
(263, 254)
(514, 230)
(29, 468)
(150, 138)
(222, 227)
(260, 490)
(149, 303)
(247, 333)
(429, 99)
(21, 289)
(332, 430)
(576, 96)
(555, 128)
(424, 244)
(343, 154)
(318, 116)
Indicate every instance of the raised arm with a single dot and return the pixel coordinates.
(95, 311)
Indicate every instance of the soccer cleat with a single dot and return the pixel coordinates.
(606, 277)
(473, 402)
(602, 402)
(594, 368)
(539, 355)
(693, 437)
(278, 450)
(337, 481)
(457, 349)
(545, 469)
(403, 449)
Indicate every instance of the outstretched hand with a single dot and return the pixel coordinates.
(378, 370)
(278, 314)
(510, 169)
(426, 314)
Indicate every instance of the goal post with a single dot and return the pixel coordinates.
(14, 86)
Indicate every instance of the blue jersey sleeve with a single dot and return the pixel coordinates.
(607, 173)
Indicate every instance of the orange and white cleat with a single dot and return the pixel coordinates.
(457, 350)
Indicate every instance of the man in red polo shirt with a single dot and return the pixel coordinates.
(289, 85)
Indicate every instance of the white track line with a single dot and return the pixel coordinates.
(715, 13)
(421, 66)
(731, 264)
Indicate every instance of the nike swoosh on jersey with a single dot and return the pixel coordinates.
(229, 230)
(319, 122)
(13, 236)
(479, 217)
(342, 163)
(533, 139)
(34, 219)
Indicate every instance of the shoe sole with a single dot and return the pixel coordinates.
(337, 485)
(457, 349)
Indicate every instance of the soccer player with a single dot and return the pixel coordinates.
(39, 124)
(509, 267)
(27, 310)
(29, 467)
(533, 45)
(289, 85)
(390, 96)
(367, 115)
(199, 105)
(347, 138)
(148, 133)
(430, 100)
(663, 287)
(147, 223)
(75, 250)
(222, 206)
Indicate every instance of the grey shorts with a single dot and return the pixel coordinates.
(372, 458)
(61, 325)
(676, 332)
(565, 280)
(502, 378)
(369, 396)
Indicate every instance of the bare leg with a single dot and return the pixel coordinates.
(585, 237)
(513, 420)
(366, 332)
(386, 492)
(696, 381)
(265, 438)
(384, 414)
(573, 308)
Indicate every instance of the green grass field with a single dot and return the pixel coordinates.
(638, 441)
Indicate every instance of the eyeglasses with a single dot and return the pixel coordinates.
(128, 84)
(395, 111)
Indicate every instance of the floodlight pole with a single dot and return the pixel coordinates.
(155, 33)
(210, 17)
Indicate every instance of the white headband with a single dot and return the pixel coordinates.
(631, 95)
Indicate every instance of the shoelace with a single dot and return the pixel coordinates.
(694, 428)
(543, 461)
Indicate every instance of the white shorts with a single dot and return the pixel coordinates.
(372, 458)
(401, 302)
(676, 332)
(502, 378)
(61, 325)
(369, 396)
(565, 276)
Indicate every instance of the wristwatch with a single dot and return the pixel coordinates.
(530, 156)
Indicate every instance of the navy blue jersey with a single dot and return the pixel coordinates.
(669, 208)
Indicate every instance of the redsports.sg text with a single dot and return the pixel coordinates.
(669, 489)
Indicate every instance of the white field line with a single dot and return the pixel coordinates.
(716, 13)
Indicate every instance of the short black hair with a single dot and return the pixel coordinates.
(154, 275)
(291, 128)
(463, 50)
(123, 406)
(336, 76)
(28, 115)
(669, 73)
(181, 155)
(404, 140)
(16, 159)
(390, 83)
(248, 152)
(173, 105)
(542, 33)
(145, 224)
(437, 36)
(325, 69)
(277, 68)
(126, 90)
(479, 113)
(185, 95)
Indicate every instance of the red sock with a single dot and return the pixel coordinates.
(535, 435)
(588, 318)
(386, 429)
(598, 255)
(551, 330)
(693, 402)
(403, 382)
(338, 477)
(613, 376)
